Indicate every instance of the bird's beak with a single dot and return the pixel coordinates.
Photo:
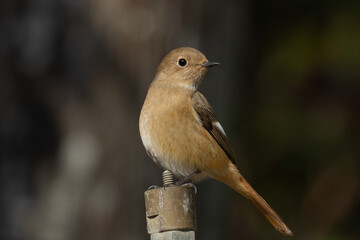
(210, 64)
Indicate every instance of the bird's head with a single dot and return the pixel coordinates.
(183, 67)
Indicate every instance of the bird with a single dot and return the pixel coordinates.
(181, 133)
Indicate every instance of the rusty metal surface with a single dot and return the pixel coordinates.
(174, 235)
(170, 208)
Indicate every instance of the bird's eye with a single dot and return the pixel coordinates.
(182, 62)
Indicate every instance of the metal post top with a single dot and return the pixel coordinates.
(170, 208)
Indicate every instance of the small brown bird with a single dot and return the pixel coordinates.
(180, 132)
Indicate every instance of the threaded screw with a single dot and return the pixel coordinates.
(168, 178)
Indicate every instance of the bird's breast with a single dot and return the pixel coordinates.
(164, 125)
(173, 136)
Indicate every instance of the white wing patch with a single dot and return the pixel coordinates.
(218, 125)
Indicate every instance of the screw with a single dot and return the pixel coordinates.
(168, 178)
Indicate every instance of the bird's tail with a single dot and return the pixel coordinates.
(245, 189)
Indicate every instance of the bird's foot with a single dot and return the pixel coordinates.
(190, 185)
(153, 187)
(187, 179)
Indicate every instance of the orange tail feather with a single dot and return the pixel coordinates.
(245, 189)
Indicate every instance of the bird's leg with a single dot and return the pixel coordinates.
(187, 179)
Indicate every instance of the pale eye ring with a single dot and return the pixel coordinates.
(182, 62)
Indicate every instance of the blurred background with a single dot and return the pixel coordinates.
(74, 75)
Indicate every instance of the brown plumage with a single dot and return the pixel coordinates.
(180, 132)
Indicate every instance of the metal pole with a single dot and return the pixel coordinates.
(170, 211)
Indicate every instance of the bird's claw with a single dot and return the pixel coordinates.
(190, 185)
(172, 185)
(153, 187)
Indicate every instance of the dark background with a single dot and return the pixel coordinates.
(74, 75)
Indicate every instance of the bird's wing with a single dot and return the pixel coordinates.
(211, 124)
